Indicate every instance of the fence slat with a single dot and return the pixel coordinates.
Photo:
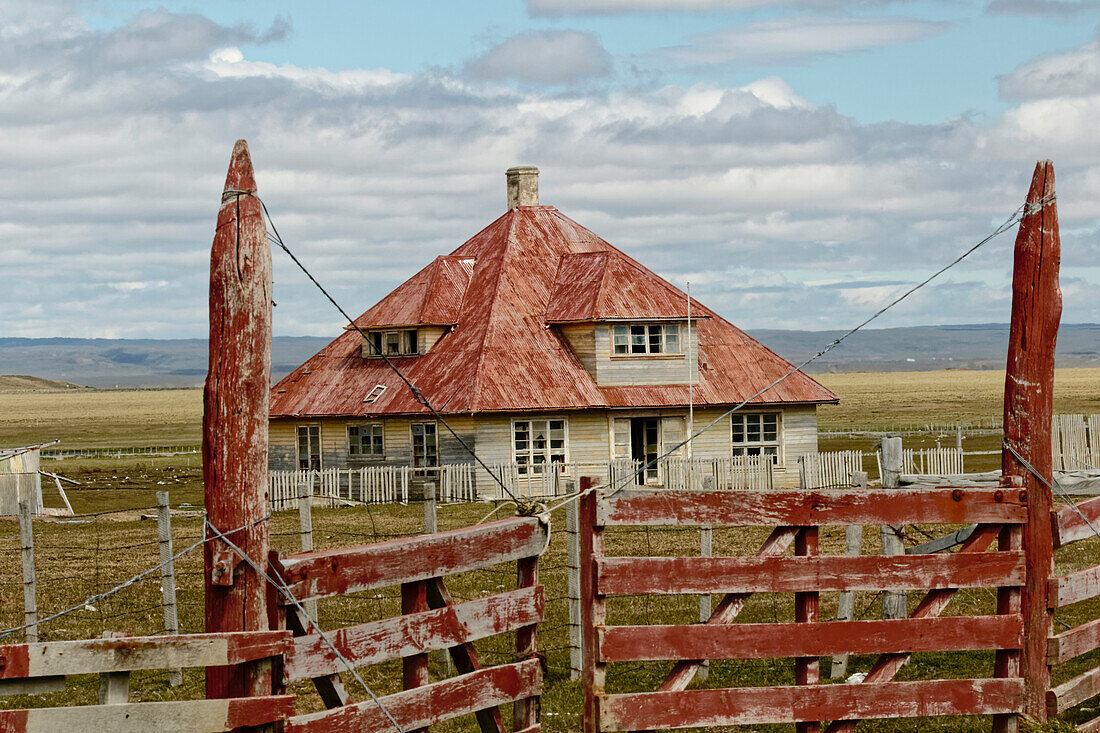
(764, 640)
(759, 705)
(1073, 691)
(393, 638)
(408, 559)
(185, 716)
(1074, 587)
(802, 508)
(429, 704)
(1074, 642)
(681, 575)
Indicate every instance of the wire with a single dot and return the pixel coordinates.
(281, 586)
(420, 397)
(1055, 488)
(1025, 209)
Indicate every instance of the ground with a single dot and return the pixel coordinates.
(77, 560)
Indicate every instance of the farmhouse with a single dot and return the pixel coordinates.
(549, 352)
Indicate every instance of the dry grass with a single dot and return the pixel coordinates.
(888, 399)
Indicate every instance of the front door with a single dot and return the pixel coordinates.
(645, 443)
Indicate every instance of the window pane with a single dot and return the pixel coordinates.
(654, 339)
(376, 339)
(637, 339)
(620, 339)
(738, 428)
(410, 342)
(672, 338)
(393, 342)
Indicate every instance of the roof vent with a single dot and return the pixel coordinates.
(375, 393)
(523, 186)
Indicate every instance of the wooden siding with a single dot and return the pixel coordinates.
(582, 339)
(612, 371)
(589, 438)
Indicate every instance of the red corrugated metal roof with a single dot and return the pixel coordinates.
(501, 355)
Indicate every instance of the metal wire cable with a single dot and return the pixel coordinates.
(1025, 209)
(281, 586)
(419, 395)
(1055, 488)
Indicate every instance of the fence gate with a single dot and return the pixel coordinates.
(796, 517)
(430, 620)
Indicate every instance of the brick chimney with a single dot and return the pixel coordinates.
(523, 186)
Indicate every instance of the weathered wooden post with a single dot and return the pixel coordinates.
(706, 549)
(894, 603)
(573, 585)
(846, 603)
(26, 542)
(168, 577)
(305, 533)
(235, 412)
(1028, 409)
(593, 609)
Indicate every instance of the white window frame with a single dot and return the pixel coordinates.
(298, 446)
(380, 338)
(654, 336)
(525, 458)
(760, 445)
(424, 469)
(371, 456)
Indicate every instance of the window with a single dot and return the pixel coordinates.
(536, 443)
(374, 394)
(365, 441)
(309, 447)
(425, 448)
(755, 434)
(392, 343)
(646, 338)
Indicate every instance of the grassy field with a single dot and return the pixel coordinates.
(78, 559)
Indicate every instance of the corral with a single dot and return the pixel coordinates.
(991, 656)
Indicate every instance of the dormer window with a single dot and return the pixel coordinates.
(643, 339)
(392, 343)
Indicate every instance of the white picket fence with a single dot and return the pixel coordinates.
(1075, 442)
(832, 469)
(375, 484)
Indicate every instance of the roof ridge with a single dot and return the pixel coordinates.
(493, 300)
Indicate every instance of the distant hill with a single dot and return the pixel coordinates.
(182, 362)
(21, 383)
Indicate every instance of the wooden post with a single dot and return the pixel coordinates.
(593, 609)
(846, 603)
(706, 549)
(235, 414)
(894, 603)
(168, 577)
(26, 541)
(431, 518)
(414, 668)
(305, 533)
(573, 586)
(806, 669)
(1028, 410)
(114, 687)
(525, 712)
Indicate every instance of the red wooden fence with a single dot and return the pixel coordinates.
(999, 514)
(430, 620)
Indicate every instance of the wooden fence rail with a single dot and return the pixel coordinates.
(430, 621)
(796, 516)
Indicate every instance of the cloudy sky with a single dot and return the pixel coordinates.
(800, 163)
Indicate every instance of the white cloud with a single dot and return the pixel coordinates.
(616, 7)
(543, 57)
(1070, 74)
(110, 179)
(1054, 8)
(797, 38)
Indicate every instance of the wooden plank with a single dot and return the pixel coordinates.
(810, 508)
(1070, 527)
(408, 559)
(791, 704)
(1092, 726)
(1028, 413)
(465, 657)
(185, 716)
(933, 604)
(392, 638)
(234, 423)
(139, 652)
(32, 686)
(728, 609)
(807, 667)
(760, 641)
(1073, 692)
(414, 668)
(681, 575)
(1073, 643)
(593, 609)
(942, 543)
(1074, 587)
(525, 712)
(1006, 661)
(430, 704)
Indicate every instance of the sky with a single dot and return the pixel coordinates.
(799, 163)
